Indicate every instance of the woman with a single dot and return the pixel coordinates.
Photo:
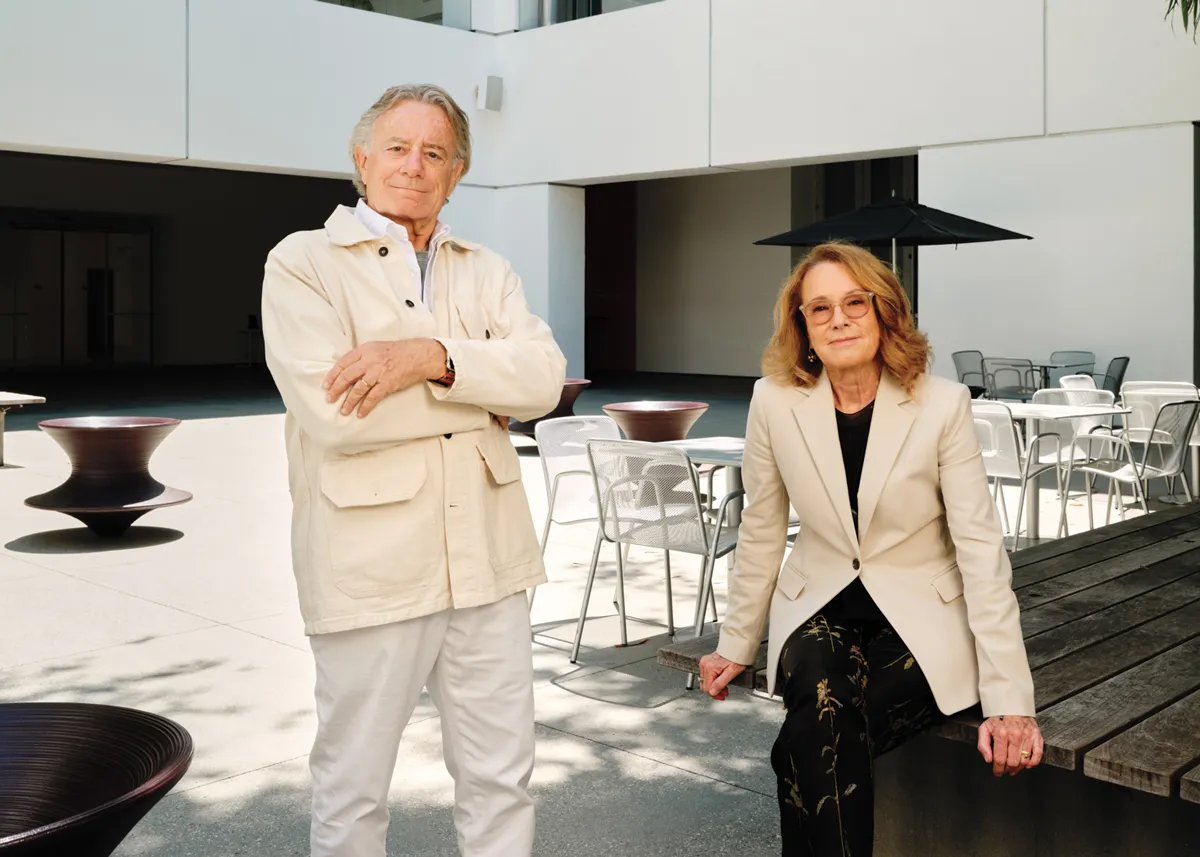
(896, 602)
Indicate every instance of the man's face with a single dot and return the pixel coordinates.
(410, 168)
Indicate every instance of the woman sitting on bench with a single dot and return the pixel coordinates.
(896, 602)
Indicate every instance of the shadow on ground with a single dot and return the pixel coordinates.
(76, 540)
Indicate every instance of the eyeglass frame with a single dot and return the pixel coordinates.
(842, 304)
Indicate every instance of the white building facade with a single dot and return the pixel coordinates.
(1069, 120)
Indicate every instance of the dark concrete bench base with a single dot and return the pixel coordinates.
(937, 798)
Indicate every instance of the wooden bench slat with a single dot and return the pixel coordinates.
(1096, 663)
(1189, 785)
(685, 655)
(1151, 755)
(1101, 572)
(1057, 613)
(1119, 529)
(1077, 724)
(1081, 557)
(1112, 621)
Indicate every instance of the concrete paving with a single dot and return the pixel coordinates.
(193, 615)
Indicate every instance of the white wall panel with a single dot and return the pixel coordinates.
(813, 79)
(1112, 64)
(104, 79)
(608, 96)
(705, 293)
(1110, 270)
(277, 85)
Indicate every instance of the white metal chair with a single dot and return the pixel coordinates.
(649, 495)
(1006, 457)
(1173, 426)
(562, 445)
(1145, 399)
(1069, 431)
(1077, 382)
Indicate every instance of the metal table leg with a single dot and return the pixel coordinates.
(3, 411)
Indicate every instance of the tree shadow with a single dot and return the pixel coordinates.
(75, 540)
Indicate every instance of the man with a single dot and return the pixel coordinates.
(401, 352)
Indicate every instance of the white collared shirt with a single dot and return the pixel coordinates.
(381, 226)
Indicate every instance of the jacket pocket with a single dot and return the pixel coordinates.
(506, 517)
(791, 582)
(949, 584)
(378, 541)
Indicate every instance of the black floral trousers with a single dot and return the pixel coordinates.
(852, 692)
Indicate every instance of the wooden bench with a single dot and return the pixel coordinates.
(1111, 620)
(13, 400)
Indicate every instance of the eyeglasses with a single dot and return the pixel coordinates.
(854, 305)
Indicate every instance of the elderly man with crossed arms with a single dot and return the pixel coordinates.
(401, 351)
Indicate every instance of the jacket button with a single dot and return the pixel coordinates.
(383, 251)
(487, 334)
(856, 565)
(409, 304)
(447, 436)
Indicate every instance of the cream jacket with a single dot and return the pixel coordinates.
(931, 553)
(419, 506)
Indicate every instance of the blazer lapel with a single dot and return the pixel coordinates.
(890, 423)
(815, 415)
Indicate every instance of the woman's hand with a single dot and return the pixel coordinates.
(1010, 743)
(716, 673)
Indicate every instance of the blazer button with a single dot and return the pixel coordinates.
(487, 334)
(856, 565)
(409, 304)
(383, 251)
(447, 436)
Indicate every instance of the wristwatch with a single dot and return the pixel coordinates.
(447, 379)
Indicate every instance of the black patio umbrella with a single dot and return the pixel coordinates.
(898, 222)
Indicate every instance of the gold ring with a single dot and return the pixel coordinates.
(1025, 754)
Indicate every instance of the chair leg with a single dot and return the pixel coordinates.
(587, 596)
(670, 600)
(710, 564)
(1108, 504)
(1140, 496)
(998, 496)
(625, 553)
(546, 527)
(621, 596)
(1016, 533)
(1087, 483)
(1064, 491)
(712, 600)
(532, 595)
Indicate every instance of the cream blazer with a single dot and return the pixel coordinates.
(419, 506)
(931, 552)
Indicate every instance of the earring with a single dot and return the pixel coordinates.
(812, 356)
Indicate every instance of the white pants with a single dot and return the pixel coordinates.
(478, 666)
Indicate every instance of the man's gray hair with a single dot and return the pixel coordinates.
(426, 93)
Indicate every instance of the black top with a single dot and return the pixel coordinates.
(854, 603)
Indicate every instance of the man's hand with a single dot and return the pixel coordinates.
(377, 369)
(716, 673)
(1010, 744)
